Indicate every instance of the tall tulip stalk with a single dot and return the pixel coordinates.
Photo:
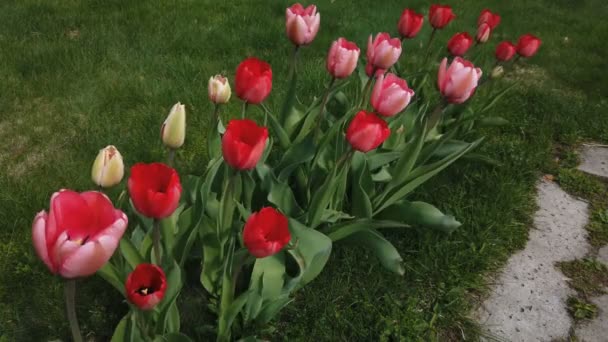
(277, 196)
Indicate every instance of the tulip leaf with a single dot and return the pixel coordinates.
(167, 315)
(214, 140)
(386, 253)
(235, 307)
(121, 332)
(172, 337)
(311, 252)
(420, 214)
(109, 273)
(266, 282)
(172, 320)
(449, 147)
(290, 97)
(212, 264)
(409, 155)
(333, 216)
(382, 176)
(380, 159)
(497, 97)
(321, 199)
(230, 195)
(279, 193)
(294, 117)
(297, 154)
(185, 250)
(130, 253)
(272, 308)
(361, 185)
(278, 130)
(346, 229)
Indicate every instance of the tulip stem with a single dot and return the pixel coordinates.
(170, 156)
(364, 94)
(70, 303)
(428, 47)
(244, 110)
(322, 109)
(223, 333)
(156, 240)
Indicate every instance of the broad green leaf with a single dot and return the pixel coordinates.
(290, 97)
(293, 119)
(109, 273)
(297, 154)
(382, 176)
(272, 308)
(361, 185)
(321, 199)
(234, 309)
(172, 319)
(130, 253)
(347, 229)
(185, 251)
(408, 157)
(385, 252)
(231, 195)
(380, 159)
(267, 279)
(278, 130)
(172, 337)
(121, 332)
(214, 140)
(279, 193)
(212, 265)
(312, 251)
(420, 214)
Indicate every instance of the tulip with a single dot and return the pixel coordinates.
(410, 23)
(505, 51)
(440, 16)
(367, 131)
(497, 72)
(266, 232)
(390, 95)
(483, 33)
(458, 82)
(79, 234)
(219, 89)
(108, 168)
(488, 17)
(155, 189)
(243, 144)
(253, 80)
(145, 286)
(369, 70)
(342, 58)
(527, 45)
(460, 43)
(383, 51)
(173, 130)
(302, 24)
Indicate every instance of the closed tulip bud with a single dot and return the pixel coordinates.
(527, 45)
(483, 33)
(219, 89)
(367, 131)
(383, 51)
(342, 58)
(173, 131)
(302, 24)
(460, 43)
(410, 23)
(486, 16)
(108, 168)
(266, 232)
(497, 72)
(505, 51)
(440, 16)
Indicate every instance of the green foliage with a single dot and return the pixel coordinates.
(581, 309)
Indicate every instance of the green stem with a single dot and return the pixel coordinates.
(156, 240)
(244, 110)
(436, 115)
(170, 156)
(70, 303)
(223, 333)
(322, 109)
(216, 112)
(364, 94)
(428, 47)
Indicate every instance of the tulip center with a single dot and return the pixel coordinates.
(80, 241)
(144, 291)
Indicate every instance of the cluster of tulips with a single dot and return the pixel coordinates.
(338, 172)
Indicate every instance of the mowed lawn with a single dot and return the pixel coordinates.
(76, 76)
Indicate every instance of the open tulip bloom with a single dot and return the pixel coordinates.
(282, 190)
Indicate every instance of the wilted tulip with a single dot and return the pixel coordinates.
(219, 89)
(458, 82)
(266, 232)
(367, 131)
(243, 144)
(342, 58)
(410, 23)
(253, 80)
(79, 234)
(145, 286)
(155, 189)
(505, 51)
(390, 95)
(302, 24)
(440, 16)
(527, 45)
(108, 168)
(173, 130)
(460, 43)
(383, 51)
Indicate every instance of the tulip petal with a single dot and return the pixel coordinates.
(39, 239)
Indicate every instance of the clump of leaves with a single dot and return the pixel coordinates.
(587, 276)
(581, 309)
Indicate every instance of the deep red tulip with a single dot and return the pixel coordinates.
(302, 24)
(342, 58)
(505, 51)
(440, 16)
(410, 23)
(146, 286)
(79, 234)
(243, 143)
(460, 43)
(266, 232)
(486, 16)
(155, 189)
(458, 82)
(367, 131)
(527, 45)
(253, 80)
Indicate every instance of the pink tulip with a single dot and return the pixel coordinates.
(458, 82)
(383, 51)
(342, 58)
(369, 70)
(390, 95)
(302, 24)
(79, 234)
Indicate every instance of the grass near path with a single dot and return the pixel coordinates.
(78, 75)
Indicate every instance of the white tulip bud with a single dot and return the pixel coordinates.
(173, 131)
(108, 168)
(219, 89)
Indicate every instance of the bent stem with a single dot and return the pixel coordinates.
(156, 240)
(70, 303)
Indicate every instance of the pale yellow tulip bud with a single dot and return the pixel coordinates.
(219, 89)
(497, 72)
(173, 131)
(108, 168)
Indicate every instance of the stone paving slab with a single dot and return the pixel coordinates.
(594, 160)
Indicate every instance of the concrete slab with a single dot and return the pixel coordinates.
(594, 160)
(597, 329)
(602, 256)
(529, 302)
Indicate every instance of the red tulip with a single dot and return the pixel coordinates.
(253, 80)
(460, 43)
(367, 131)
(383, 51)
(488, 17)
(458, 82)
(79, 234)
(342, 58)
(155, 189)
(390, 95)
(146, 286)
(410, 23)
(527, 45)
(440, 16)
(266, 232)
(505, 51)
(302, 24)
(483, 33)
(243, 143)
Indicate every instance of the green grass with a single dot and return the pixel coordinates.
(78, 75)
(588, 277)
